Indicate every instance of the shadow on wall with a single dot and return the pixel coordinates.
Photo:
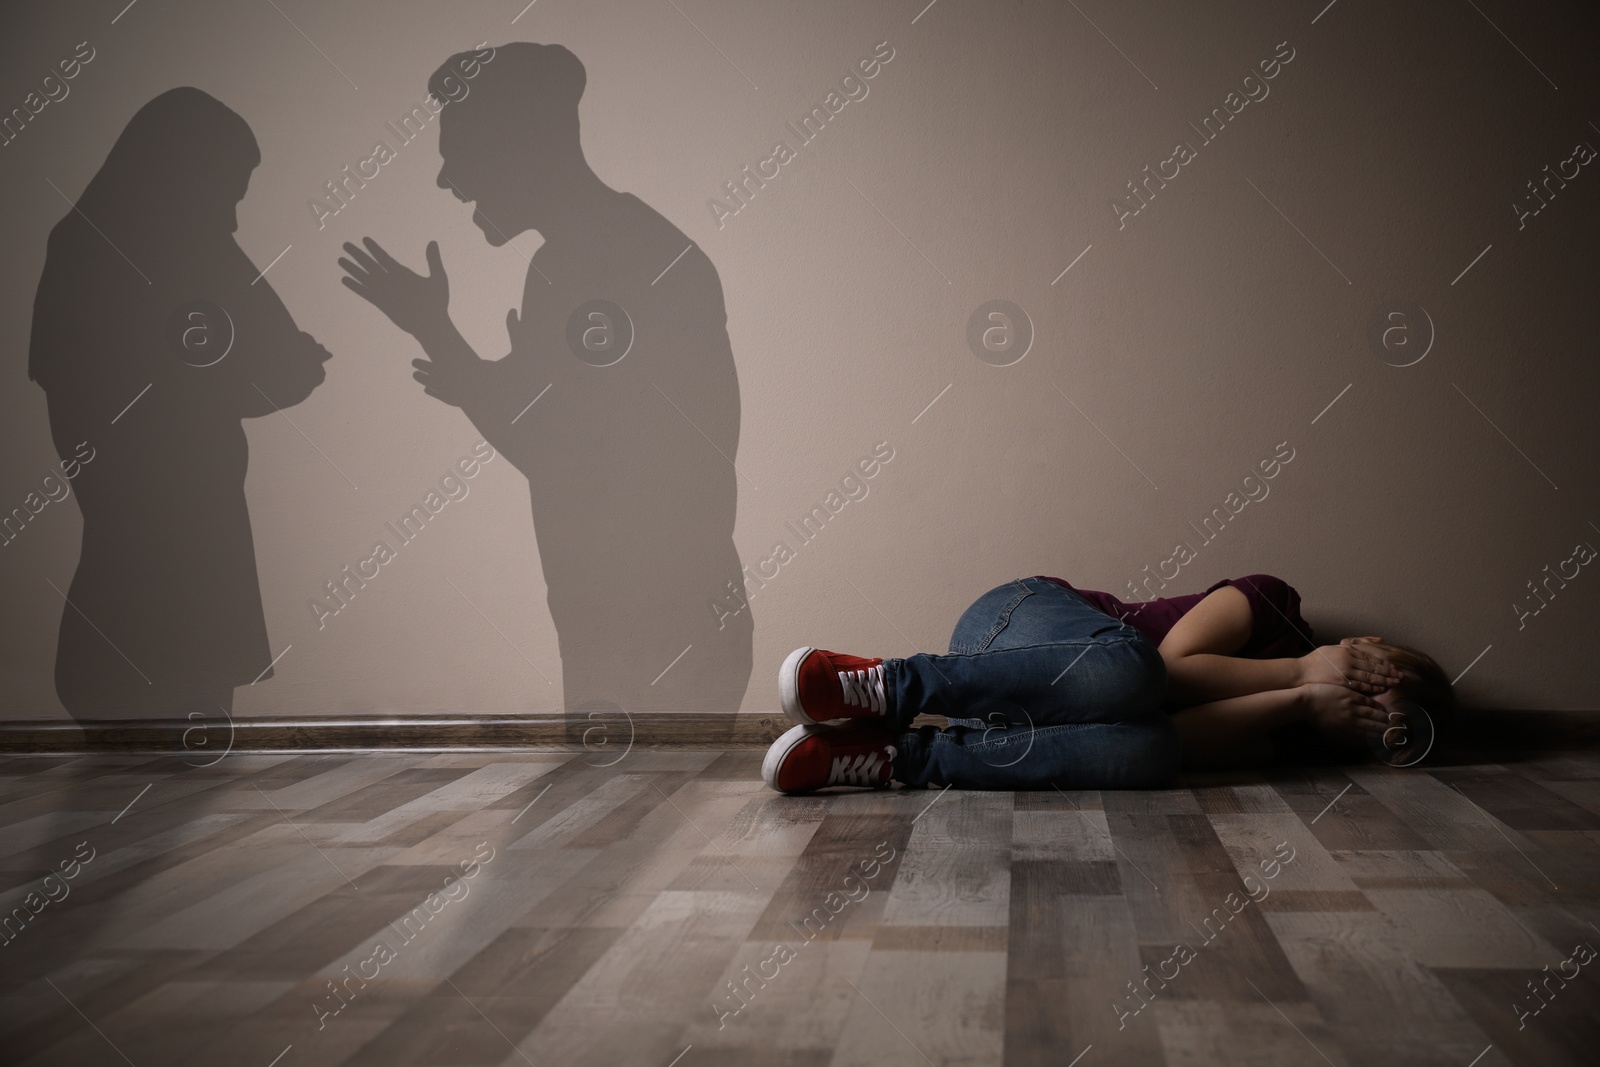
(618, 400)
(153, 337)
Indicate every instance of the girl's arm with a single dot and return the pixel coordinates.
(1199, 652)
(1233, 732)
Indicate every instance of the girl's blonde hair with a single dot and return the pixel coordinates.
(1425, 682)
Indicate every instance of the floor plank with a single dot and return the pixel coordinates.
(547, 907)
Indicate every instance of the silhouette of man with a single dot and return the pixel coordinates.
(618, 400)
(153, 337)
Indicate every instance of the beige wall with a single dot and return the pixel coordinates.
(1179, 351)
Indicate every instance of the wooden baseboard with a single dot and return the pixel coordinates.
(600, 732)
(1478, 732)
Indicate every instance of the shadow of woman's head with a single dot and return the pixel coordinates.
(179, 169)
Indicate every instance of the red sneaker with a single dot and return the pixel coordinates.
(813, 757)
(819, 686)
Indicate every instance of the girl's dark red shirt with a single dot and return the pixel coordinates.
(1277, 629)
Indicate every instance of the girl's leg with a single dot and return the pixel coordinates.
(1043, 689)
(1047, 612)
(1137, 753)
(1032, 653)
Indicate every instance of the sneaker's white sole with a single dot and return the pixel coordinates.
(779, 750)
(789, 687)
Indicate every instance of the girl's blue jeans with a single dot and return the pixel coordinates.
(1043, 690)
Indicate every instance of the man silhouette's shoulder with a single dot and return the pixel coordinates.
(630, 247)
(645, 224)
(656, 236)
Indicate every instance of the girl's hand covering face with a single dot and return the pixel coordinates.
(1342, 713)
(1350, 663)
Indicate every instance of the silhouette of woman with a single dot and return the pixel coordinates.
(153, 337)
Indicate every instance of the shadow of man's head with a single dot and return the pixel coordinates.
(509, 137)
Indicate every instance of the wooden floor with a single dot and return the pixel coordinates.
(538, 908)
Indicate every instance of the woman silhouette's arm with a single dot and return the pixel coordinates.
(229, 345)
(286, 377)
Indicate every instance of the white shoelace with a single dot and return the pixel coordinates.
(864, 688)
(860, 770)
